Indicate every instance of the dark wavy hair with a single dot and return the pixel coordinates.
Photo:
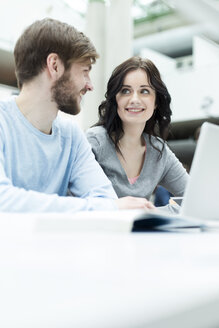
(158, 124)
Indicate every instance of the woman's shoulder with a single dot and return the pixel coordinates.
(99, 140)
(97, 132)
(157, 146)
(157, 142)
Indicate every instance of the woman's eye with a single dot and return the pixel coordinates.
(125, 91)
(144, 91)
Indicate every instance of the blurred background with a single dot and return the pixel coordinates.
(180, 37)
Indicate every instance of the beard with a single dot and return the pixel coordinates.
(64, 94)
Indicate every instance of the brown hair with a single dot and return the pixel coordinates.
(158, 124)
(49, 36)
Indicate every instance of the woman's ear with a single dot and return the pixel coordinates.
(55, 66)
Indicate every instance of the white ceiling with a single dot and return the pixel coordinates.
(15, 15)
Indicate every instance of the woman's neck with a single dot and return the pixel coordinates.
(132, 151)
(132, 137)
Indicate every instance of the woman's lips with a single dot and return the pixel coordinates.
(135, 110)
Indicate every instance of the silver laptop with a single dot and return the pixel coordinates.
(201, 197)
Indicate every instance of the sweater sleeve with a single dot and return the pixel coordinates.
(175, 176)
(87, 177)
(98, 197)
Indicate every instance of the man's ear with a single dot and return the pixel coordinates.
(55, 66)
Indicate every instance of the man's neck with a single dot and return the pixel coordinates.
(34, 102)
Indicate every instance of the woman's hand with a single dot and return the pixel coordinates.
(130, 202)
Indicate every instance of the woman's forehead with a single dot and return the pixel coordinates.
(136, 76)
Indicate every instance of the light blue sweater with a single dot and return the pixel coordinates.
(36, 169)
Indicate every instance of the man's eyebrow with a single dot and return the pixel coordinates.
(88, 66)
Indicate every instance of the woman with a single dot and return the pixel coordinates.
(129, 139)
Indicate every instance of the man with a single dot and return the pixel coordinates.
(42, 155)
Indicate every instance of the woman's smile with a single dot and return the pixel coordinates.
(134, 110)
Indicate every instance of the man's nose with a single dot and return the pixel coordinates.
(89, 86)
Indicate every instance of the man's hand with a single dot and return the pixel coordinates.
(129, 202)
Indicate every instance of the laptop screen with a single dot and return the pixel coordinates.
(201, 197)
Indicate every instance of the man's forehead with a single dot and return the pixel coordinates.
(86, 63)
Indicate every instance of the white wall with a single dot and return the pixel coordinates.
(164, 63)
(205, 52)
(6, 91)
(195, 93)
(111, 34)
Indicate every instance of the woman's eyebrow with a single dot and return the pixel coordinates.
(141, 86)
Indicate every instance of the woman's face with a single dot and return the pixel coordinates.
(136, 99)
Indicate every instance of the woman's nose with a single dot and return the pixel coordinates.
(135, 98)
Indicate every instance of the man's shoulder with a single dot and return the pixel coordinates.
(6, 107)
(66, 125)
(6, 103)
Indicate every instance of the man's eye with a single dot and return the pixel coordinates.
(144, 91)
(125, 91)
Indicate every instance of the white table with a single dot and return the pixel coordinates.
(108, 280)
